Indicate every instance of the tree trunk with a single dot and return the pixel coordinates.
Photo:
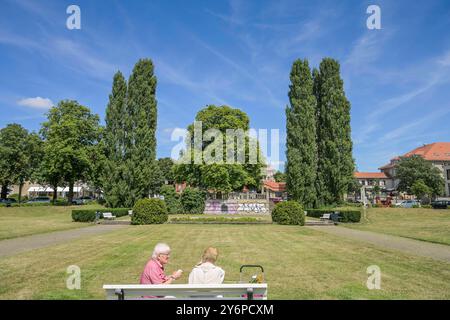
(20, 191)
(70, 197)
(4, 191)
(55, 193)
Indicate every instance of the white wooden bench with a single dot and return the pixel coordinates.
(325, 216)
(108, 216)
(239, 291)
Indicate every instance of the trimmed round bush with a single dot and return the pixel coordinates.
(193, 201)
(288, 212)
(149, 211)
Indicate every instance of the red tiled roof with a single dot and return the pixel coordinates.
(370, 175)
(438, 151)
(275, 186)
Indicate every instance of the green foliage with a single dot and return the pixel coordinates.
(165, 167)
(288, 212)
(193, 201)
(301, 142)
(20, 153)
(71, 134)
(420, 189)
(279, 176)
(214, 220)
(149, 211)
(143, 174)
(335, 160)
(215, 168)
(412, 169)
(346, 215)
(172, 199)
(88, 215)
(116, 188)
(130, 143)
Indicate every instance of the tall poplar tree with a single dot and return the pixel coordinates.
(301, 144)
(115, 186)
(335, 160)
(142, 171)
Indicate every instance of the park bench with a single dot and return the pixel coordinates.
(239, 291)
(325, 216)
(108, 216)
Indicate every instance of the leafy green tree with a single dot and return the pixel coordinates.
(193, 201)
(234, 168)
(279, 176)
(140, 154)
(71, 134)
(172, 199)
(420, 189)
(409, 170)
(301, 143)
(335, 160)
(116, 188)
(20, 153)
(166, 166)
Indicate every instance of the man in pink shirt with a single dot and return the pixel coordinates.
(154, 269)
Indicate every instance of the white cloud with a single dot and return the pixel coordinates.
(36, 103)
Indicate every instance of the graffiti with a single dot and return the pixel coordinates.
(252, 207)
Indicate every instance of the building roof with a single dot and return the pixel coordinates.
(275, 186)
(437, 151)
(370, 175)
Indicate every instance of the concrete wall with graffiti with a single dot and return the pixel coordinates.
(237, 206)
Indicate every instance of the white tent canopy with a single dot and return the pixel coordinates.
(48, 189)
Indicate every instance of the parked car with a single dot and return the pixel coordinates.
(409, 203)
(78, 201)
(440, 204)
(8, 201)
(39, 200)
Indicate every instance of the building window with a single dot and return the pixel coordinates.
(448, 174)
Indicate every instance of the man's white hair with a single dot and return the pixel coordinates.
(160, 248)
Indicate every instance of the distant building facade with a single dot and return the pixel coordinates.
(437, 153)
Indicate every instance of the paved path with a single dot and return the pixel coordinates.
(411, 246)
(17, 245)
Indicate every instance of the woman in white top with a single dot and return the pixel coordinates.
(206, 272)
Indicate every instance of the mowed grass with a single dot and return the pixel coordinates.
(300, 263)
(24, 221)
(417, 223)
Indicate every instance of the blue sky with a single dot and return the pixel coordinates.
(237, 53)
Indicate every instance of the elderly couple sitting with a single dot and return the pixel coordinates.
(205, 272)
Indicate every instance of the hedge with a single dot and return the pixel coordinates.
(88, 215)
(218, 220)
(346, 215)
(288, 212)
(193, 201)
(149, 211)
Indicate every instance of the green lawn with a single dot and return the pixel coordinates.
(300, 263)
(24, 221)
(423, 224)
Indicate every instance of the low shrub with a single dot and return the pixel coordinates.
(346, 215)
(427, 206)
(88, 215)
(415, 206)
(217, 220)
(193, 201)
(288, 212)
(149, 211)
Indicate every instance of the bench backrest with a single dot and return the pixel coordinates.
(240, 291)
(326, 215)
(107, 215)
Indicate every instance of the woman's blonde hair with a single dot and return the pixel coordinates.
(210, 255)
